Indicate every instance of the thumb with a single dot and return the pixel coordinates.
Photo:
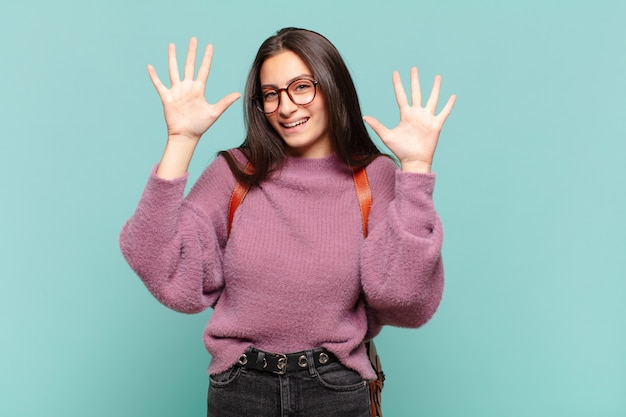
(226, 101)
(377, 126)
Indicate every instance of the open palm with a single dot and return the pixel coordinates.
(187, 112)
(414, 139)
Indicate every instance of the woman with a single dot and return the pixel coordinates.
(294, 286)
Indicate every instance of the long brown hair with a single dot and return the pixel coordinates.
(263, 147)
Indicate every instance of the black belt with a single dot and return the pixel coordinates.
(283, 363)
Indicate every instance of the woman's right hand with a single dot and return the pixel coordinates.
(187, 113)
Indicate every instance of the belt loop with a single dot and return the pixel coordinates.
(311, 362)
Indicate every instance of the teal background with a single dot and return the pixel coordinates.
(530, 189)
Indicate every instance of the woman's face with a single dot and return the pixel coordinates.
(304, 128)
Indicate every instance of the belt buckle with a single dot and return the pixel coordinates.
(281, 364)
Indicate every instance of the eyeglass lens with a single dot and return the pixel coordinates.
(300, 91)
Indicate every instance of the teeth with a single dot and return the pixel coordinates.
(294, 124)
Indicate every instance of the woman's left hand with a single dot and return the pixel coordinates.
(414, 139)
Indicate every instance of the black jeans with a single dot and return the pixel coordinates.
(323, 391)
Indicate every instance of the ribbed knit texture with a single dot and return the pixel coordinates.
(294, 270)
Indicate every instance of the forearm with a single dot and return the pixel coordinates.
(403, 283)
(183, 271)
(176, 157)
(172, 249)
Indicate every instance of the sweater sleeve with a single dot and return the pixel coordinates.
(175, 244)
(401, 264)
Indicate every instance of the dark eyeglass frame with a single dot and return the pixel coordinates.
(258, 99)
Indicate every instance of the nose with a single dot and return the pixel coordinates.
(286, 106)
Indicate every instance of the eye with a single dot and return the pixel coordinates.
(301, 87)
(269, 95)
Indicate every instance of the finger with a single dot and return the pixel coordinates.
(190, 62)
(431, 104)
(155, 80)
(225, 102)
(416, 91)
(173, 65)
(377, 126)
(445, 112)
(401, 98)
(205, 66)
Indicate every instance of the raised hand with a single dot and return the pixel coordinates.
(414, 139)
(187, 113)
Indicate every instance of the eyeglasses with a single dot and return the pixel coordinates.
(300, 91)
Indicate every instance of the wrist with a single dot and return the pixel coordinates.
(415, 167)
(176, 157)
(181, 139)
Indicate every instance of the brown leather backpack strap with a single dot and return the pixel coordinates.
(363, 194)
(236, 198)
(376, 386)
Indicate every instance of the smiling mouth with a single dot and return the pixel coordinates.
(294, 124)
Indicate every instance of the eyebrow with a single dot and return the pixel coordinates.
(290, 81)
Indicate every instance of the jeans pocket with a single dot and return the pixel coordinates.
(339, 378)
(225, 378)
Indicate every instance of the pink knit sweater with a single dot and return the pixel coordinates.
(292, 273)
